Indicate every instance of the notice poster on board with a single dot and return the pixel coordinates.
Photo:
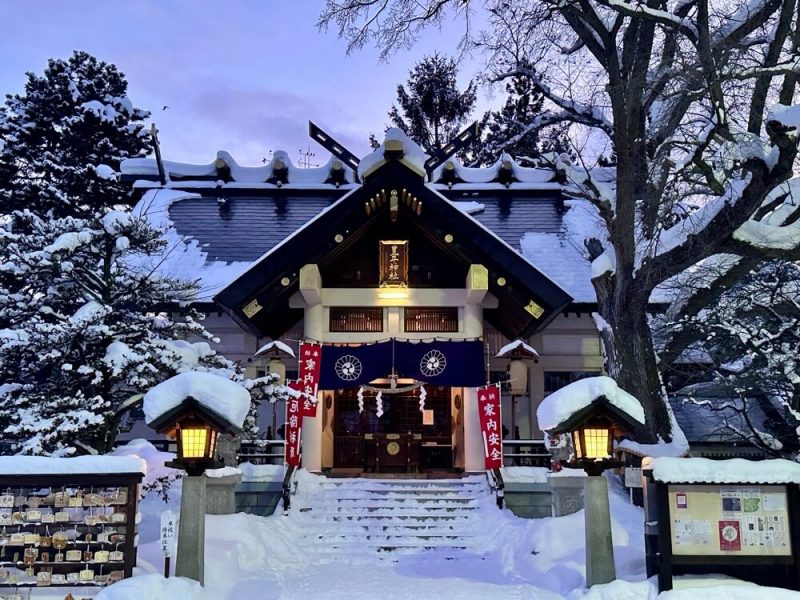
(729, 520)
(730, 536)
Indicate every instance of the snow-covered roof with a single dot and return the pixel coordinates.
(706, 419)
(413, 157)
(225, 397)
(276, 345)
(734, 470)
(519, 346)
(216, 228)
(224, 171)
(45, 465)
(559, 406)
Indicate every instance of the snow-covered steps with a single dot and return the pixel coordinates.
(386, 517)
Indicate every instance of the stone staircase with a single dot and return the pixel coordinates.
(390, 517)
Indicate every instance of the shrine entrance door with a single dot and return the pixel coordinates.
(403, 439)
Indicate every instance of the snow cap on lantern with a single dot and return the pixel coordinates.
(196, 407)
(593, 411)
(227, 399)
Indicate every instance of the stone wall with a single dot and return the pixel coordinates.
(258, 497)
(528, 500)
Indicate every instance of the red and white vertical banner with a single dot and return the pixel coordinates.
(309, 368)
(308, 405)
(294, 425)
(491, 425)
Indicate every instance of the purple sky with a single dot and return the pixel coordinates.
(242, 76)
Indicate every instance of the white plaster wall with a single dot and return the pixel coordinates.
(570, 343)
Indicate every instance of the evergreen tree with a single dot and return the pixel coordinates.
(508, 129)
(83, 327)
(85, 330)
(431, 109)
(64, 137)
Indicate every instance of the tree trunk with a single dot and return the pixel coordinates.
(632, 362)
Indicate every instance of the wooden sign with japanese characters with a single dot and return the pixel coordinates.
(394, 263)
(491, 426)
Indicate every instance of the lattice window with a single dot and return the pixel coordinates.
(431, 320)
(356, 319)
(555, 380)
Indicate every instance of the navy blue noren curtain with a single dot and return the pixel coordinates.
(450, 363)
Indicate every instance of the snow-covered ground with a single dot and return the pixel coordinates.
(249, 557)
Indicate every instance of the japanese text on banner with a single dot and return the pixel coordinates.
(294, 425)
(308, 404)
(491, 426)
(309, 367)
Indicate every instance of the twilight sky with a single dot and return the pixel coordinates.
(243, 76)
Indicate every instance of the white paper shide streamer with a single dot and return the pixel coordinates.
(422, 395)
(360, 396)
(379, 401)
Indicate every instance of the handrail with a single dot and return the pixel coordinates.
(501, 485)
(249, 451)
(536, 455)
(530, 442)
(496, 485)
(286, 490)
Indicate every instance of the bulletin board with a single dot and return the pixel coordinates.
(729, 520)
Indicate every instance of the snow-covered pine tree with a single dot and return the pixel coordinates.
(85, 328)
(430, 108)
(505, 130)
(86, 333)
(64, 137)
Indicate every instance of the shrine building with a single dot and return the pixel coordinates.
(420, 278)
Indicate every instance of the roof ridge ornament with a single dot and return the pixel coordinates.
(334, 147)
(466, 137)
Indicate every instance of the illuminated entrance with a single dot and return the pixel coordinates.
(402, 439)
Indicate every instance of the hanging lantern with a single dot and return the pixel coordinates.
(276, 352)
(521, 355)
(518, 377)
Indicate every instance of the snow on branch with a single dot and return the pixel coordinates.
(746, 19)
(777, 231)
(582, 113)
(683, 24)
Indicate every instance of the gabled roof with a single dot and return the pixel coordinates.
(221, 217)
(272, 279)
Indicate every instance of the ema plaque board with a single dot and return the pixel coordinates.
(729, 520)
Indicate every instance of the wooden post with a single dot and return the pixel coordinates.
(664, 539)
(166, 566)
(162, 177)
